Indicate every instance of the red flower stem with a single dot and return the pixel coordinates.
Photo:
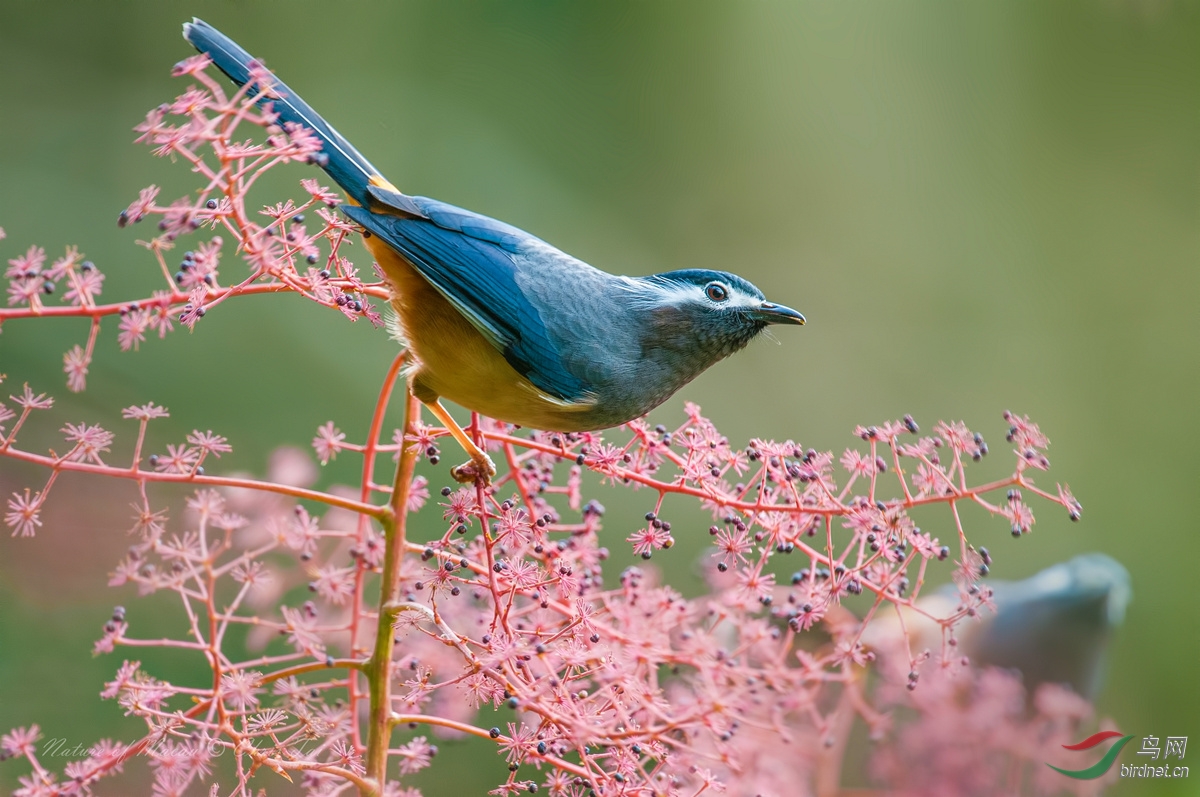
(91, 342)
(376, 290)
(962, 535)
(137, 453)
(186, 478)
(12, 435)
(900, 474)
(314, 666)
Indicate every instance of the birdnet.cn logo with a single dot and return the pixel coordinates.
(1152, 748)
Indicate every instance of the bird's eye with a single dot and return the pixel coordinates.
(716, 291)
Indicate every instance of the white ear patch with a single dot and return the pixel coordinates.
(650, 293)
(682, 293)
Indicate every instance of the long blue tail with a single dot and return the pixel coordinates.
(346, 165)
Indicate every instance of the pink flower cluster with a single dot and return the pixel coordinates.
(507, 625)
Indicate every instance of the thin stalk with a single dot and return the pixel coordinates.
(378, 669)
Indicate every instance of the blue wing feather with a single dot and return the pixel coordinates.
(473, 261)
(473, 225)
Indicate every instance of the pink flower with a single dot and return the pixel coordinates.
(193, 65)
(305, 143)
(145, 412)
(105, 754)
(482, 690)
(754, 585)
(266, 720)
(335, 584)
(75, 364)
(328, 442)
(734, 545)
(23, 515)
(26, 265)
(178, 459)
(280, 210)
(1019, 515)
(930, 479)
(38, 785)
(301, 632)
(320, 192)
(857, 464)
(345, 757)
(159, 314)
(209, 443)
(89, 442)
(132, 330)
(253, 574)
(240, 689)
(194, 310)
(518, 745)
(126, 675)
(520, 573)
(301, 532)
(416, 755)
(418, 493)
(460, 506)
(29, 401)
(206, 504)
(1024, 433)
(646, 541)
(960, 438)
(513, 527)
(85, 286)
(1064, 494)
(140, 207)
(20, 741)
(191, 101)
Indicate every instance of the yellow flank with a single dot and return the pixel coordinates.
(379, 181)
(456, 362)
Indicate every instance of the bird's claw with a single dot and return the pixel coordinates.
(477, 471)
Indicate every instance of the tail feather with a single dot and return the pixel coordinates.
(346, 165)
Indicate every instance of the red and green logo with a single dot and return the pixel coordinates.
(1101, 766)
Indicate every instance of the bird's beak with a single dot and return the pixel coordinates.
(771, 313)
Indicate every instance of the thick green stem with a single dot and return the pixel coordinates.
(379, 668)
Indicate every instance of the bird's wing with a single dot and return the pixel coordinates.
(473, 261)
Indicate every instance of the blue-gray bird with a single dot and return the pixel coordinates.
(1053, 627)
(505, 324)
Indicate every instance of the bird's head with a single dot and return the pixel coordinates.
(705, 314)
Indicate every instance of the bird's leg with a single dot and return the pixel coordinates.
(481, 467)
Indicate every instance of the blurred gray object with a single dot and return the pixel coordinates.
(1053, 627)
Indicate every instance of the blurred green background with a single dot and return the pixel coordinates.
(978, 206)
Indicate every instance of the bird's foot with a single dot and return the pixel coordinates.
(477, 471)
